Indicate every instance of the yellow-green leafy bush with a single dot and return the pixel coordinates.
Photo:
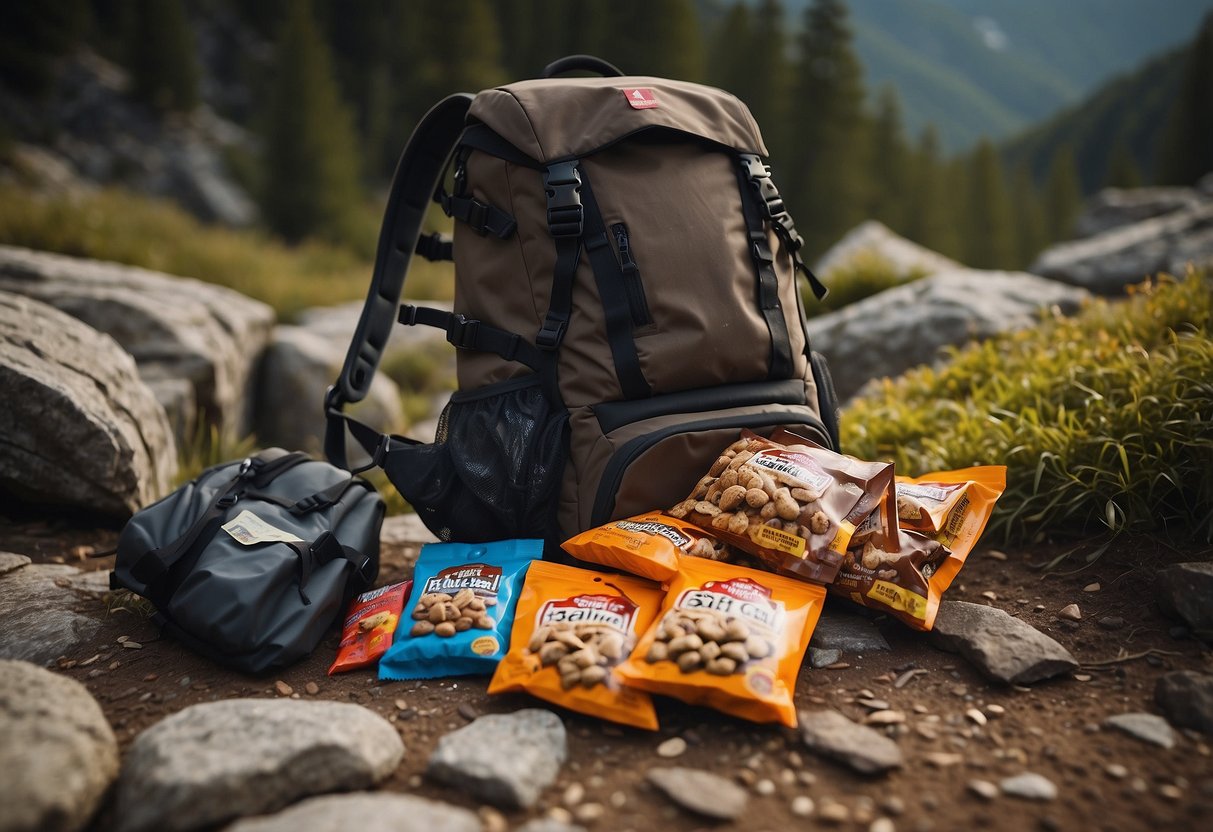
(1105, 420)
(863, 275)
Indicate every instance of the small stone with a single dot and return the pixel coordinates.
(873, 704)
(882, 825)
(943, 759)
(283, 688)
(1092, 587)
(1145, 727)
(700, 791)
(1111, 622)
(560, 815)
(574, 793)
(123, 639)
(907, 677)
(618, 799)
(989, 596)
(829, 733)
(884, 718)
(312, 688)
(468, 712)
(673, 747)
(1186, 697)
(994, 554)
(401, 705)
(1029, 786)
(819, 658)
(132, 645)
(834, 812)
(894, 805)
(1116, 771)
(802, 806)
(976, 716)
(1082, 677)
(492, 820)
(765, 787)
(994, 709)
(589, 812)
(1002, 647)
(1170, 791)
(1070, 612)
(983, 789)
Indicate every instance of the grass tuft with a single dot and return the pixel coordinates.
(864, 275)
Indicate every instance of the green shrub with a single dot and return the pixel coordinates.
(864, 275)
(126, 228)
(1105, 421)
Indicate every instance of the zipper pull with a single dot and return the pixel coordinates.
(625, 248)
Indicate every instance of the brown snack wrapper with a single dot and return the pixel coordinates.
(791, 503)
(941, 517)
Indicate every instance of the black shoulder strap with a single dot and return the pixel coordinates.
(418, 174)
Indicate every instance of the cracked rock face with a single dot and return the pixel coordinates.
(80, 429)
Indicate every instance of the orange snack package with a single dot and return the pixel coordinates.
(941, 516)
(648, 545)
(728, 637)
(571, 629)
(369, 626)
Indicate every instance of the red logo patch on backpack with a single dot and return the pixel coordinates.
(641, 98)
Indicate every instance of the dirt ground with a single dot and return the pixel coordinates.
(1106, 780)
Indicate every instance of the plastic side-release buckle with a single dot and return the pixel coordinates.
(562, 183)
(461, 331)
(551, 334)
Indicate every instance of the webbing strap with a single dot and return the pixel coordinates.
(418, 173)
(481, 217)
(608, 274)
(471, 334)
(774, 209)
(768, 281)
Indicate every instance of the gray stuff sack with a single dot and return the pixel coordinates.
(250, 563)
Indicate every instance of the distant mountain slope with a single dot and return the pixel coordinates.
(992, 67)
(1131, 108)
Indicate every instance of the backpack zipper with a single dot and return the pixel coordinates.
(632, 283)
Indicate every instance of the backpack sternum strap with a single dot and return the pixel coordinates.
(471, 334)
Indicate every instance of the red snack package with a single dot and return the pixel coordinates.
(370, 626)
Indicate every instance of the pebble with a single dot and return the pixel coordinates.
(1111, 622)
(589, 812)
(874, 704)
(700, 791)
(820, 658)
(907, 677)
(132, 645)
(401, 705)
(885, 717)
(560, 815)
(283, 688)
(1030, 786)
(1116, 771)
(802, 806)
(1092, 587)
(1170, 791)
(994, 554)
(1082, 677)
(492, 820)
(894, 805)
(989, 596)
(765, 787)
(574, 793)
(882, 825)
(617, 799)
(976, 715)
(673, 747)
(983, 789)
(1145, 727)
(1070, 612)
(467, 712)
(995, 710)
(834, 812)
(943, 759)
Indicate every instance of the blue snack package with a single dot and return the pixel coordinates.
(462, 609)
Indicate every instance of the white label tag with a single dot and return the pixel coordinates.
(250, 529)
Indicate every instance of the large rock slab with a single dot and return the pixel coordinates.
(80, 429)
(899, 328)
(297, 369)
(59, 755)
(846, 633)
(1002, 647)
(1185, 591)
(37, 621)
(1186, 697)
(357, 812)
(503, 759)
(175, 327)
(1106, 263)
(222, 760)
(831, 734)
(1117, 207)
(874, 239)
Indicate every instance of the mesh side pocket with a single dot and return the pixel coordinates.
(494, 468)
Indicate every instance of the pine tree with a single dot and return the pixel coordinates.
(1122, 170)
(729, 53)
(1030, 234)
(164, 68)
(310, 167)
(890, 164)
(930, 208)
(1186, 149)
(654, 37)
(1063, 194)
(828, 183)
(988, 227)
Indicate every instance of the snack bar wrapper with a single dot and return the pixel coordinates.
(369, 626)
(941, 516)
(571, 630)
(461, 609)
(728, 637)
(791, 503)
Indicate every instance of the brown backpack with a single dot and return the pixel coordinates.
(626, 302)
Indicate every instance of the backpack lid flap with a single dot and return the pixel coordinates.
(552, 119)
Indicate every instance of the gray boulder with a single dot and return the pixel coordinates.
(899, 328)
(1117, 207)
(297, 369)
(80, 429)
(223, 760)
(1003, 648)
(349, 812)
(1108, 262)
(38, 619)
(59, 755)
(1185, 591)
(874, 239)
(1186, 697)
(176, 328)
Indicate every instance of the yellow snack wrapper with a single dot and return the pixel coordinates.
(941, 516)
(571, 629)
(728, 637)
